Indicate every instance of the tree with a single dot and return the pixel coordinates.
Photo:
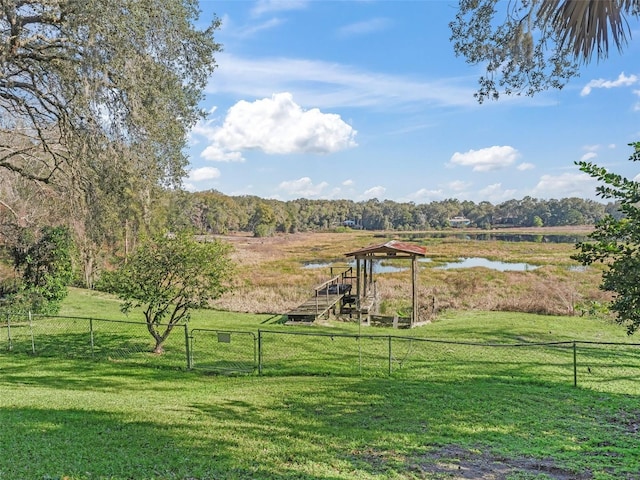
(47, 269)
(170, 275)
(533, 45)
(96, 99)
(93, 75)
(616, 242)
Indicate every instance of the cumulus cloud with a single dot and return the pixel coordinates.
(495, 193)
(588, 156)
(348, 183)
(525, 166)
(424, 194)
(565, 185)
(458, 185)
(275, 125)
(204, 173)
(302, 187)
(486, 159)
(621, 81)
(374, 192)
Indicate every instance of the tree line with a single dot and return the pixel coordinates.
(216, 213)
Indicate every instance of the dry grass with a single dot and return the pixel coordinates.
(271, 277)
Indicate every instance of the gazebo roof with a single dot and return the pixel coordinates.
(392, 248)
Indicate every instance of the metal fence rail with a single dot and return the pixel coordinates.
(297, 352)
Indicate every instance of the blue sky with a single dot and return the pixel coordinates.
(366, 99)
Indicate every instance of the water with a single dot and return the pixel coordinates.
(484, 262)
(378, 267)
(502, 237)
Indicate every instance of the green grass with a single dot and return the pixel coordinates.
(81, 419)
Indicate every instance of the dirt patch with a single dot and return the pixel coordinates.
(456, 463)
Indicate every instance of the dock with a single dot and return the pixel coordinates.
(327, 297)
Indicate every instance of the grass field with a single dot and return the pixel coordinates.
(81, 419)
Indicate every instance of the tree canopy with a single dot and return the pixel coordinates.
(96, 101)
(616, 242)
(168, 276)
(79, 79)
(533, 45)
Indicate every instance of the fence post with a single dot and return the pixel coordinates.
(33, 343)
(389, 354)
(9, 331)
(187, 347)
(259, 352)
(575, 366)
(91, 335)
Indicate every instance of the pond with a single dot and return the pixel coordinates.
(502, 237)
(484, 262)
(380, 267)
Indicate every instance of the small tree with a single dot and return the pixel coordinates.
(616, 242)
(46, 270)
(170, 275)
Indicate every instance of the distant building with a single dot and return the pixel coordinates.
(459, 222)
(351, 224)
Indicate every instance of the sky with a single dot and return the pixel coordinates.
(362, 99)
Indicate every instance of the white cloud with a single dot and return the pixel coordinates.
(495, 193)
(525, 166)
(302, 187)
(621, 81)
(486, 159)
(458, 185)
(330, 85)
(275, 125)
(425, 195)
(269, 6)
(365, 27)
(204, 173)
(374, 192)
(565, 185)
(217, 154)
(588, 156)
(348, 183)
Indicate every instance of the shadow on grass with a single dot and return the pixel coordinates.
(380, 428)
(200, 427)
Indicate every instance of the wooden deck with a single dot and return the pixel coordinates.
(325, 297)
(314, 308)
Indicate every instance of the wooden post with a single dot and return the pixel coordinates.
(414, 289)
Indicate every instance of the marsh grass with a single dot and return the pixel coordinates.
(272, 277)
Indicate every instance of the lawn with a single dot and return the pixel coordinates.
(83, 419)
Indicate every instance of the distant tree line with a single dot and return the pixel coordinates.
(216, 213)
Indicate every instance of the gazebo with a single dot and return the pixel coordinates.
(393, 249)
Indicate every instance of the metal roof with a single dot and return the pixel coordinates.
(390, 249)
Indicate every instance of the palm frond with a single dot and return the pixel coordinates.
(586, 27)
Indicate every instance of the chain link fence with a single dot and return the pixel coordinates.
(297, 352)
(88, 338)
